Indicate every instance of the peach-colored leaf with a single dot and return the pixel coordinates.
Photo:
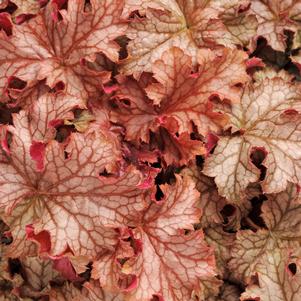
(274, 17)
(281, 214)
(222, 242)
(275, 280)
(90, 292)
(268, 119)
(239, 20)
(187, 25)
(210, 202)
(31, 7)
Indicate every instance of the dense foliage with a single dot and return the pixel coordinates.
(150, 150)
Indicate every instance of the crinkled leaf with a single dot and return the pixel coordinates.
(26, 7)
(90, 292)
(238, 20)
(38, 273)
(222, 242)
(281, 213)
(179, 96)
(275, 280)
(170, 262)
(187, 25)
(269, 120)
(210, 201)
(274, 17)
(177, 149)
(76, 203)
(62, 54)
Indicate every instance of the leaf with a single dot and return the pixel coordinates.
(210, 202)
(81, 122)
(26, 7)
(38, 273)
(178, 23)
(74, 202)
(274, 17)
(268, 120)
(177, 149)
(170, 262)
(64, 52)
(276, 282)
(3, 4)
(25, 213)
(251, 250)
(239, 21)
(179, 96)
(222, 242)
(50, 109)
(91, 292)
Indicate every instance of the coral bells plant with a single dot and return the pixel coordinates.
(150, 150)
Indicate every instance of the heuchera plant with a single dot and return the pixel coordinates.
(150, 150)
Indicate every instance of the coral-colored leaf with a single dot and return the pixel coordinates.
(179, 96)
(76, 203)
(269, 120)
(170, 262)
(60, 51)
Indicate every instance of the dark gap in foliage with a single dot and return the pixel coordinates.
(269, 56)
(136, 14)
(227, 211)
(10, 8)
(105, 174)
(127, 102)
(166, 176)
(86, 275)
(156, 298)
(87, 6)
(16, 83)
(292, 268)
(255, 213)
(159, 195)
(5, 237)
(6, 113)
(59, 86)
(63, 132)
(123, 43)
(199, 160)
(14, 266)
(6, 286)
(258, 154)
